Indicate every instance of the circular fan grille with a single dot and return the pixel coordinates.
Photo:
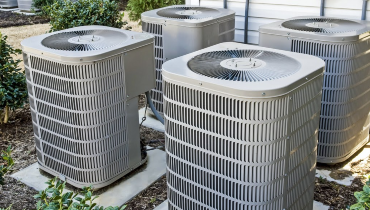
(269, 66)
(87, 40)
(188, 12)
(322, 25)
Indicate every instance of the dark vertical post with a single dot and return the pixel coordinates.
(246, 21)
(364, 10)
(225, 4)
(322, 8)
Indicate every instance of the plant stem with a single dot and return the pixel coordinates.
(6, 116)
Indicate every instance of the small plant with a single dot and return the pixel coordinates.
(53, 198)
(136, 7)
(4, 168)
(9, 208)
(67, 14)
(363, 197)
(13, 86)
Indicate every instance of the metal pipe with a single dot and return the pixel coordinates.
(364, 10)
(246, 14)
(322, 8)
(225, 4)
(151, 105)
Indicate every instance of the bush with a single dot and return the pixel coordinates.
(43, 6)
(67, 14)
(136, 7)
(6, 155)
(363, 197)
(13, 86)
(53, 198)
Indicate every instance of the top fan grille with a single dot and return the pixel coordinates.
(188, 12)
(86, 40)
(322, 25)
(264, 66)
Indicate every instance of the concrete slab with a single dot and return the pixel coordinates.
(151, 121)
(120, 192)
(163, 206)
(316, 206)
(347, 181)
(8, 9)
(360, 158)
(319, 206)
(24, 13)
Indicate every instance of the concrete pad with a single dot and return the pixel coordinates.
(123, 190)
(319, 206)
(24, 13)
(163, 206)
(363, 157)
(347, 181)
(151, 121)
(8, 9)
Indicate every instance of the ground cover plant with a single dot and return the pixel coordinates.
(7, 165)
(13, 86)
(53, 198)
(363, 197)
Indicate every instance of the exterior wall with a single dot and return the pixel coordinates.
(267, 11)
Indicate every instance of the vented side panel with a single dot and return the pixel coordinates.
(8, 3)
(25, 5)
(225, 153)
(344, 121)
(79, 117)
(157, 94)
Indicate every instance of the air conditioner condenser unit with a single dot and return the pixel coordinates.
(344, 46)
(8, 3)
(241, 126)
(181, 29)
(83, 86)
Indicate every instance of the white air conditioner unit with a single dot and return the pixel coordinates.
(83, 86)
(344, 46)
(8, 3)
(241, 125)
(181, 29)
(25, 5)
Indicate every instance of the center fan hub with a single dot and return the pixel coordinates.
(85, 39)
(189, 12)
(242, 63)
(322, 25)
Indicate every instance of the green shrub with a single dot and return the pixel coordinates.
(42, 5)
(66, 14)
(136, 7)
(53, 198)
(363, 197)
(13, 86)
(5, 167)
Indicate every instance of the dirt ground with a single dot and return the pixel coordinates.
(8, 19)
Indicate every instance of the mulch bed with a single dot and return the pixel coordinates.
(19, 134)
(9, 19)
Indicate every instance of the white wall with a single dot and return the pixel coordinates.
(267, 11)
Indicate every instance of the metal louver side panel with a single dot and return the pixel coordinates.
(226, 31)
(345, 108)
(156, 31)
(80, 120)
(8, 3)
(241, 154)
(25, 5)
